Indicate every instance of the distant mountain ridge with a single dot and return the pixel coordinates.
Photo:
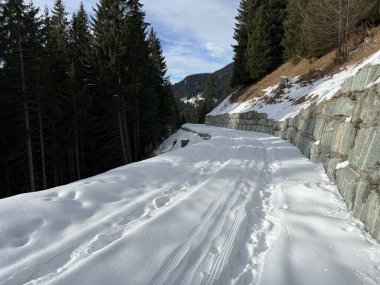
(194, 84)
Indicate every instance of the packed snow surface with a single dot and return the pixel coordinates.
(239, 208)
(285, 107)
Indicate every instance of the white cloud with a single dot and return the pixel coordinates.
(217, 51)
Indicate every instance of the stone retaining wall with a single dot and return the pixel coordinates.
(346, 128)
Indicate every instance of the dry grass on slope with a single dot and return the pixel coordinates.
(310, 70)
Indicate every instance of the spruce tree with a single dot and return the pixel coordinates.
(20, 45)
(294, 31)
(139, 79)
(265, 34)
(167, 111)
(240, 74)
(78, 93)
(209, 95)
(110, 59)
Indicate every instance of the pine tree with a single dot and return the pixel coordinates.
(259, 33)
(60, 26)
(77, 101)
(110, 59)
(167, 109)
(265, 34)
(209, 95)
(294, 31)
(80, 43)
(139, 78)
(240, 74)
(20, 45)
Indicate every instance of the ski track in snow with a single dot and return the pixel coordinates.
(126, 224)
(229, 212)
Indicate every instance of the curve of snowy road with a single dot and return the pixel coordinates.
(239, 208)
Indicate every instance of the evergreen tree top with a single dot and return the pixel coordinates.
(157, 57)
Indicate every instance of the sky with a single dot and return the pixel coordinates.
(196, 35)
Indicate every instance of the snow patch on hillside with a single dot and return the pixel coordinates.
(194, 100)
(286, 106)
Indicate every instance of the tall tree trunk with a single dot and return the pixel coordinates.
(7, 182)
(126, 130)
(137, 128)
(82, 148)
(347, 28)
(42, 143)
(77, 149)
(55, 166)
(121, 131)
(26, 118)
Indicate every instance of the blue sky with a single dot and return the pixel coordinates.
(196, 35)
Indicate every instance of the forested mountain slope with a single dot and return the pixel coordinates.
(192, 85)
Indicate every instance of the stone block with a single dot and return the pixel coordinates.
(315, 151)
(311, 126)
(330, 166)
(360, 81)
(329, 133)
(366, 152)
(343, 106)
(367, 206)
(306, 147)
(343, 139)
(346, 180)
(277, 134)
(320, 124)
(370, 108)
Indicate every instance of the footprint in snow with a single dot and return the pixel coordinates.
(19, 235)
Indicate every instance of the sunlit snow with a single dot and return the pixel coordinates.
(239, 208)
(322, 89)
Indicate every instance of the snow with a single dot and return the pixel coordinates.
(322, 89)
(373, 83)
(174, 141)
(193, 100)
(240, 208)
(342, 165)
(317, 142)
(348, 119)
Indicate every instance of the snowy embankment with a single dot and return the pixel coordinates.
(298, 95)
(240, 208)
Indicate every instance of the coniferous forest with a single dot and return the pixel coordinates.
(268, 32)
(79, 95)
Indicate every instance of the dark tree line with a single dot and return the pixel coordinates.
(78, 96)
(259, 33)
(270, 31)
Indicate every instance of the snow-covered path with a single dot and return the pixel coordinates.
(240, 208)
